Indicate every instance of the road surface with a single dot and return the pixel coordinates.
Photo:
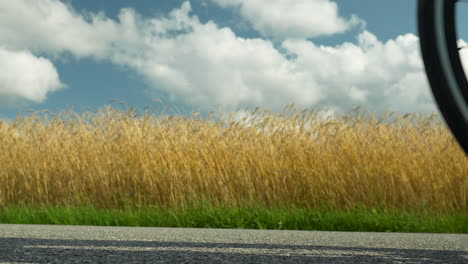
(93, 244)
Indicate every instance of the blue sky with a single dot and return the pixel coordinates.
(211, 53)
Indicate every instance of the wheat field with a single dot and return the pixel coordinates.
(118, 158)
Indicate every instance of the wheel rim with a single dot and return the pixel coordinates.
(447, 78)
(443, 52)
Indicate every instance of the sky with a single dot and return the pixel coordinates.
(210, 55)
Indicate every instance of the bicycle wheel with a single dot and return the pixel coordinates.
(444, 68)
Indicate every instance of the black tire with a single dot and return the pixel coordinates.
(438, 40)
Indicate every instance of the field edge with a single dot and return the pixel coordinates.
(363, 220)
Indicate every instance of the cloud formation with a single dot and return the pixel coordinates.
(52, 26)
(23, 75)
(292, 19)
(380, 75)
(205, 65)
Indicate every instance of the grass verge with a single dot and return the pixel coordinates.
(247, 218)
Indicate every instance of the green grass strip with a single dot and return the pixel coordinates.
(248, 218)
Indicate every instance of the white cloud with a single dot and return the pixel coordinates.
(23, 75)
(464, 54)
(52, 26)
(381, 76)
(211, 65)
(48, 27)
(292, 18)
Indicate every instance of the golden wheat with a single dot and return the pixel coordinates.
(117, 159)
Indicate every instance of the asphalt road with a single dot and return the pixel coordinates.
(92, 244)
